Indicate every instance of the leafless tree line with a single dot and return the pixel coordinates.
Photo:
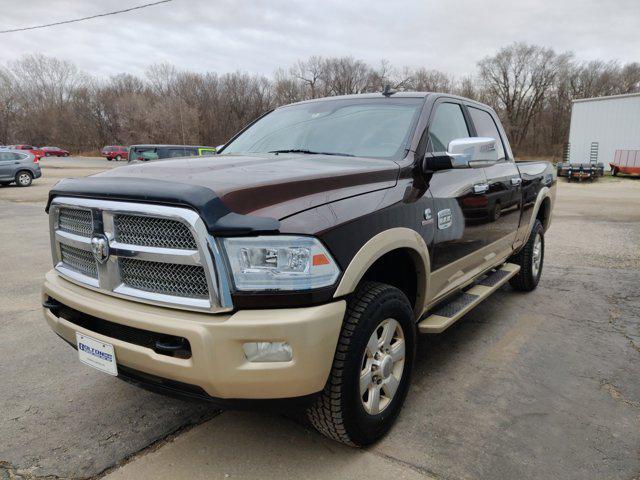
(44, 100)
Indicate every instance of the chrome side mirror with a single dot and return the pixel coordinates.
(219, 147)
(473, 152)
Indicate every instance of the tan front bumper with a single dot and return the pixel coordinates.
(218, 364)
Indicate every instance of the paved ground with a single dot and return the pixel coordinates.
(539, 385)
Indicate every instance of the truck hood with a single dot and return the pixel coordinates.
(274, 186)
(237, 194)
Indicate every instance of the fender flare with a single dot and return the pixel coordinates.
(381, 244)
(544, 193)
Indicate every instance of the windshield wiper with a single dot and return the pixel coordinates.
(310, 152)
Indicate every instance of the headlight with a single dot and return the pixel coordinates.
(280, 263)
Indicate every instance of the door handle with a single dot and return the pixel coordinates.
(515, 181)
(480, 188)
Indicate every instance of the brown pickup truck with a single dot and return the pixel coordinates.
(298, 264)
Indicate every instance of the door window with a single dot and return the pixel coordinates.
(448, 124)
(174, 153)
(486, 127)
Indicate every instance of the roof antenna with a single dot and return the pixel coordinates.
(386, 91)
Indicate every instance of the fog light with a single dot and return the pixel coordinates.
(268, 351)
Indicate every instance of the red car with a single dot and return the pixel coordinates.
(115, 152)
(55, 152)
(35, 151)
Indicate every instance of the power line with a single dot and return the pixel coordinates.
(85, 18)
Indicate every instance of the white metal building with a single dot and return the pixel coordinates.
(600, 126)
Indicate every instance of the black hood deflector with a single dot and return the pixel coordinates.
(216, 216)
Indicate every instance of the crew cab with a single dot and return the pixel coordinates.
(301, 262)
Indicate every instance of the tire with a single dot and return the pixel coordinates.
(24, 178)
(346, 411)
(614, 171)
(531, 261)
(109, 159)
(118, 158)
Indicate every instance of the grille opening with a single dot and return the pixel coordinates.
(136, 336)
(76, 221)
(164, 278)
(153, 232)
(81, 261)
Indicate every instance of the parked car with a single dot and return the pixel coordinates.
(37, 152)
(19, 167)
(115, 152)
(303, 262)
(55, 152)
(145, 153)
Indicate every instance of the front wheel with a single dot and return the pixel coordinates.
(118, 158)
(530, 259)
(371, 369)
(614, 171)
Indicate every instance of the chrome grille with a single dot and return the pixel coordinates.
(164, 278)
(76, 221)
(153, 232)
(81, 261)
(155, 254)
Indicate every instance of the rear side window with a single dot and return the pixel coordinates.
(448, 124)
(11, 156)
(486, 127)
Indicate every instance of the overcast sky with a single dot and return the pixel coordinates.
(260, 36)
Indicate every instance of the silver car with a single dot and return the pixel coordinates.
(19, 167)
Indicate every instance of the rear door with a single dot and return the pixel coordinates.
(6, 165)
(9, 163)
(505, 190)
(460, 205)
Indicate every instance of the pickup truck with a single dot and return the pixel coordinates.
(299, 264)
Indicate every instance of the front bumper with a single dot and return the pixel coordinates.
(217, 364)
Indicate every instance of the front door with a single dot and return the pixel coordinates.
(460, 206)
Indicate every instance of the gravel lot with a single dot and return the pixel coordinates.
(539, 385)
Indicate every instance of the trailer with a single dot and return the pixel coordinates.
(580, 171)
(626, 162)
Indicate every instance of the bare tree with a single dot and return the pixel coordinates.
(517, 79)
(531, 88)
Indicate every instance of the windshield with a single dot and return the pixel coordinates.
(376, 128)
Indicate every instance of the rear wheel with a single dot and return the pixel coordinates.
(118, 158)
(24, 178)
(371, 368)
(530, 259)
